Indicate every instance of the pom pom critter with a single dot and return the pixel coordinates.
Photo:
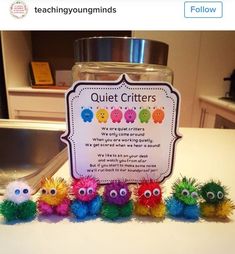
(117, 201)
(87, 202)
(183, 203)
(215, 205)
(17, 204)
(54, 197)
(149, 199)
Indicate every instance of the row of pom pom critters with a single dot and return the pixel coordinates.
(88, 185)
(55, 196)
(184, 188)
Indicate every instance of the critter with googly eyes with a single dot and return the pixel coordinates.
(87, 201)
(149, 199)
(117, 203)
(17, 204)
(54, 198)
(215, 205)
(184, 200)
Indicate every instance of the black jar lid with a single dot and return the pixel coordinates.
(120, 49)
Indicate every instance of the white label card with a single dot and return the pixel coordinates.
(122, 129)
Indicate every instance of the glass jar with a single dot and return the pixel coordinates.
(106, 58)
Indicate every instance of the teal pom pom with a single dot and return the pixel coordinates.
(9, 210)
(114, 212)
(12, 211)
(82, 209)
(127, 209)
(110, 211)
(191, 212)
(174, 207)
(27, 210)
(95, 205)
(79, 209)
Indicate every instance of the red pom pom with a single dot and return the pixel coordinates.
(149, 193)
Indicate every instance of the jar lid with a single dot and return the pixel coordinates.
(120, 49)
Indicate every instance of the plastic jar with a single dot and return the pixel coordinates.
(106, 58)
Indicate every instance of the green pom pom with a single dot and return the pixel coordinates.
(127, 209)
(27, 210)
(186, 190)
(110, 211)
(9, 210)
(213, 192)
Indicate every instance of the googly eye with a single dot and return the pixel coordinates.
(156, 192)
(194, 194)
(210, 195)
(17, 191)
(220, 195)
(25, 191)
(82, 191)
(90, 191)
(53, 192)
(113, 194)
(44, 191)
(123, 192)
(185, 192)
(147, 194)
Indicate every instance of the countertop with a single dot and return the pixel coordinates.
(202, 153)
(215, 100)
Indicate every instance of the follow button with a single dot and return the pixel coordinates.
(196, 9)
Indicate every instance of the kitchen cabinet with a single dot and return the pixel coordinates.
(214, 110)
(36, 104)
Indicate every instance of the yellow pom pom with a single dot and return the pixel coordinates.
(53, 191)
(141, 210)
(158, 211)
(225, 209)
(207, 210)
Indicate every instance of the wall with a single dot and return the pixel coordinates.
(200, 61)
(216, 61)
(16, 49)
(59, 49)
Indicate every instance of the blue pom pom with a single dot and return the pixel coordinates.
(79, 209)
(191, 212)
(95, 206)
(174, 207)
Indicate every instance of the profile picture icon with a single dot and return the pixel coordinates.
(18, 9)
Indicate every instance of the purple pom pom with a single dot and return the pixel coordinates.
(117, 193)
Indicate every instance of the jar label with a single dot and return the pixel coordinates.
(122, 129)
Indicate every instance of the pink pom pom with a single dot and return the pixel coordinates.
(44, 208)
(63, 208)
(85, 188)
